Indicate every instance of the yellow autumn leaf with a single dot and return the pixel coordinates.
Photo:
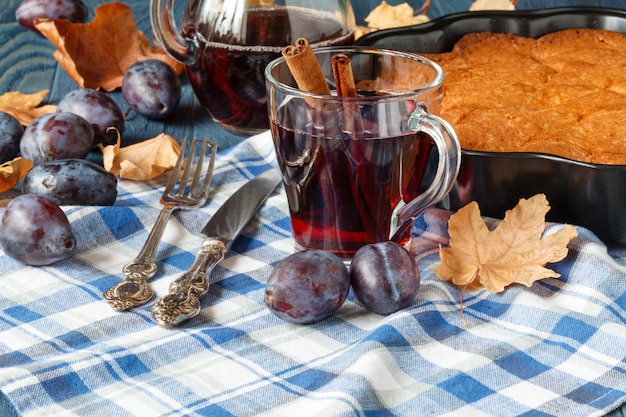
(493, 5)
(514, 252)
(141, 161)
(385, 16)
(11, 172)
(25, 107)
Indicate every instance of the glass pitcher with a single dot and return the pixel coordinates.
(226, 45)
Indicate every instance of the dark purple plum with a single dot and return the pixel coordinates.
(384, 277)
(98, 108)
(72, 182)
(10, 134)
(152, 88)
(35, 231)
(308, 286)
(29, 10)
(56, 136)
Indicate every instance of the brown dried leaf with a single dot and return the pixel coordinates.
(514, 252)
(492, 5)
(142, 161)
(385, 16)
(11, 172)
(97, 54)
(24, 106)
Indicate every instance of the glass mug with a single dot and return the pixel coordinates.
(353, 166)
(226, 45)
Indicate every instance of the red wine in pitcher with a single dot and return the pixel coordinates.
(342, 191)
(228, 75)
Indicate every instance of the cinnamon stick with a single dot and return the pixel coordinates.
(344, 78)
(346, 87)
(347, 119)
(305, 68)
(309, 77)
(350, 116)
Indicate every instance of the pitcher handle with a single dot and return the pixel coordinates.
(166, 33)
(449, 150)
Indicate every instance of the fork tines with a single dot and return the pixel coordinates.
(190, 162)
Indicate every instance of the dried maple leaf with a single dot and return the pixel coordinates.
(142, 161)
(97, 54)
(24, 107)
(514, 252)
(11, 172)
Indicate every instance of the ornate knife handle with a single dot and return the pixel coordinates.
(183, 299)
(133, 291)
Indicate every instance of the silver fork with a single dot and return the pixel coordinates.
(179, 193)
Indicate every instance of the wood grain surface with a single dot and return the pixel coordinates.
(27, 65)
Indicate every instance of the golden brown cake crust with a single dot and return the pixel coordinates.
(562, 94)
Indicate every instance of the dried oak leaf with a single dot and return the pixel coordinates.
(11, 172)
(97, 54)
(24, 107)
(514, 252)
(385, 16)
(141, 161)
(493, 5)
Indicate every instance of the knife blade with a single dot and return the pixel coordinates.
(183, 299)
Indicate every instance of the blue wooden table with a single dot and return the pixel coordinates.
(27, 65)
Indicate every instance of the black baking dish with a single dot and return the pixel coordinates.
(589, 195)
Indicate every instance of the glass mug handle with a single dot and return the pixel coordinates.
(166, 33)
(449, 150)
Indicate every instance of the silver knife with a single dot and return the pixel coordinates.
(183, 299)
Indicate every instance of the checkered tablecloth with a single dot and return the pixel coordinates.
(555, 349)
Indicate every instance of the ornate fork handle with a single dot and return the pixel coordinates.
(183, 299)
(134, 291)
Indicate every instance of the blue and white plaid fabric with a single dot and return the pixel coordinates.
(555, 349)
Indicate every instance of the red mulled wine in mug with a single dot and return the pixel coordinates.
(354, 166)
(342, 191)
